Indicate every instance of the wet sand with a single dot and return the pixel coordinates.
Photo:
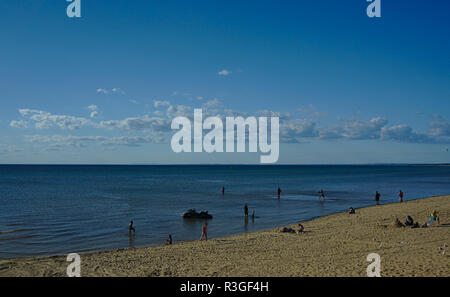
(334, 245)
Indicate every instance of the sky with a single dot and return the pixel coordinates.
(103, 88)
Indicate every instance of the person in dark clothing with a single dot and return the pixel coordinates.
(322, 195)
(377, 197)
(409, 221)
(131, 228)
(279, 192)
(246, 210)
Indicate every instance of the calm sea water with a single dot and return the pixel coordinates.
(48, 210)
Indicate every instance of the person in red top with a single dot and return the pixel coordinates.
(400, 196)
(204, 231)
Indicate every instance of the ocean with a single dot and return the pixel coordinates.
(52, 210)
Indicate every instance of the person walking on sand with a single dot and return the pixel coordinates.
(377, 198)
(400, 196)
(246, 210)
(204, 231)
(131, 228)
(279, 192)
(169, 240)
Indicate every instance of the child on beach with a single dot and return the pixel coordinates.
(169, 240)
(204, 231)
(400, 196)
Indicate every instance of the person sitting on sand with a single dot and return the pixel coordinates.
(169, 240)
(433, 218)
(351, 210)
(300, 228)
(131, 228)
(397, 223)
(204, 231)
(287, 230)
(409, 221)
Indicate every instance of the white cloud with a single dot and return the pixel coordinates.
(56, 142)
(297, 130)
(269, 113)
(19, 124)
(93, 107)
(179, 111)
(45, 120)
(212, 103)
(440, 129)
(157, 103)
(291, 130)
(224, 72)
(102, 91)
(404, 133)
(138, 123)
(11, 149)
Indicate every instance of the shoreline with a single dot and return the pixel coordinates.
(333, 245)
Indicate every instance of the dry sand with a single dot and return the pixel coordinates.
(335, 245)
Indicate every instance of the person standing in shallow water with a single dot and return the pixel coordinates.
(279, 192)
(223, 190)
(131, 228)
(377, 198)
(246, 210)
(204, 231)
(400, 196)
(321, 195)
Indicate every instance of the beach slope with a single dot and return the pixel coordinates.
(335, 245)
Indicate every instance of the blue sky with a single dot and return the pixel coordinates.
(103, 88)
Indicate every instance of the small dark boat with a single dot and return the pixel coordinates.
(192, 214)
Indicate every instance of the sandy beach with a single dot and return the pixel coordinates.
(334, 245)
